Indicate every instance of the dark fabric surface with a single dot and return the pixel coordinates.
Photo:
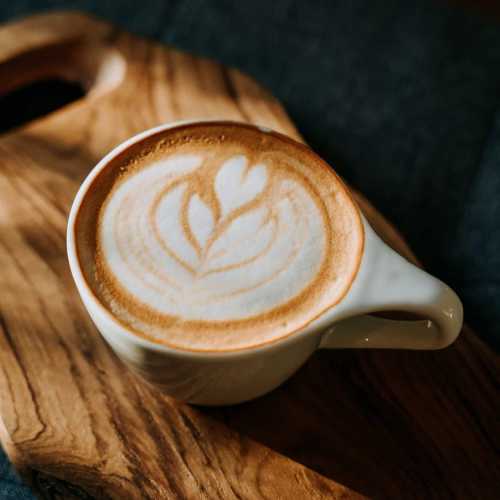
(402, 98)
(11, 487)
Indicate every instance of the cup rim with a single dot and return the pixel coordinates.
(85, 290)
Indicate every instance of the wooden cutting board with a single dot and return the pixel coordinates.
(76, 424)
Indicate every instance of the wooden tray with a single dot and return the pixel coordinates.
(382, 424)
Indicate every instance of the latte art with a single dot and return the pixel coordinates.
(221, 243)
(222, 237)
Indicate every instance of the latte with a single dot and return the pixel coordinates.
(217, 237)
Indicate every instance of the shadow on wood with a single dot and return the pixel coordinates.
(384, 422)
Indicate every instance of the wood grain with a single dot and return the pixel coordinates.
(350, 424)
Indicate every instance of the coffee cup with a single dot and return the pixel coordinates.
(216, 257)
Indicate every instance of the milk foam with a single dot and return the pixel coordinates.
(172, 251)
(220, 238)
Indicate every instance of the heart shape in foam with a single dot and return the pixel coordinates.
(208, 243)
(235, 185)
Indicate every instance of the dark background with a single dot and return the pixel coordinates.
(402, 98)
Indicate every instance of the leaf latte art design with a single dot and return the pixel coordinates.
(198, 238)
(217, 236)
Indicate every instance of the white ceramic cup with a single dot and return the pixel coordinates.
(385, 281)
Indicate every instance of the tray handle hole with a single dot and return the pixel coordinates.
(43, 80)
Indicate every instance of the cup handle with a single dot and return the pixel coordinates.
(388, 282)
